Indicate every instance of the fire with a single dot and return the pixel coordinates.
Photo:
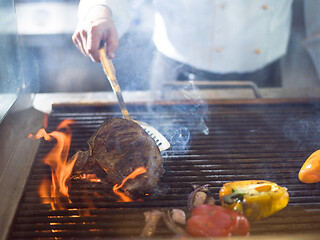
(135, 173)
(54, 190)
(44, 191)
(57, 159)
(91, 177)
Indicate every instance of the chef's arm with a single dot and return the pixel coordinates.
(101, 21)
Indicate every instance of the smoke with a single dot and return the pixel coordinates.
(197, 110)
(179, 122)
(180, 139)
(303, 130)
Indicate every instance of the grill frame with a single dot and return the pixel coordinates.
(296, 210)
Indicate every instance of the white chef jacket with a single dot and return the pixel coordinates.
(220, 36)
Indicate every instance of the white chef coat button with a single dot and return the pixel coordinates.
(265, 7)
(218, 49)
(257, 50)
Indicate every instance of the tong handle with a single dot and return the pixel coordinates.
(111, 76)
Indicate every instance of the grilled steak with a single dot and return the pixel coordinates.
(119, 147)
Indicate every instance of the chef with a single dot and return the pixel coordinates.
(203, 39)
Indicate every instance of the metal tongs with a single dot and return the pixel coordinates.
(109, 70)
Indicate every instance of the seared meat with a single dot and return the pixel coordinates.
(119, 147)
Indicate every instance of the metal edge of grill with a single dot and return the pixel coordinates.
(16, 156)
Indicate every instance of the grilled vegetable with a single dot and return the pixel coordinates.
(216, 221)
(310, 170)
(152, 219)
(199, 196)
(256, 199)
(178, 216)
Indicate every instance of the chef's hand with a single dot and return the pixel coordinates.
(97, 27)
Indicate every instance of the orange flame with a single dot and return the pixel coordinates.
(123, 196)
(44, 191)
(91, 177)
(57, 159)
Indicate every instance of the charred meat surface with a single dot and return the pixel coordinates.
(119, 147)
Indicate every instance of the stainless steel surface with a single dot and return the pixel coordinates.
(215, 85)
(43, 101)
(17, 152)
(6, 102)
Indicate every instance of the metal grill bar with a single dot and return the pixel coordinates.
(251, 141)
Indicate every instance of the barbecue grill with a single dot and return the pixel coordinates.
(216, 136)
(237, 140)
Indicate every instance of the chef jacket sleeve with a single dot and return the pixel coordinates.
(120, 10)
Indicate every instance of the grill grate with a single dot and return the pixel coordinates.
(249, 141)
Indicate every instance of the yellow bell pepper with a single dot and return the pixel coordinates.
(310, 170)
(255, 199)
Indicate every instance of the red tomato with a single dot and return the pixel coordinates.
(216, 221)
